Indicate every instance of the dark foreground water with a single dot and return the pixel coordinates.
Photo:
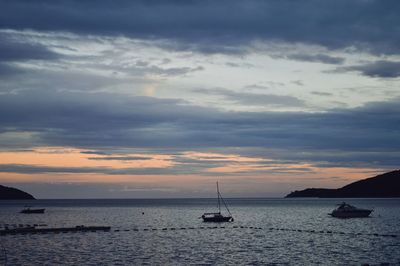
(263, 233)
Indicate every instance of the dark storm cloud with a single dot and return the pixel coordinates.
(218, 26)
(172, 71)
(186, 168)
(380, 69)
(321, 93)
(358, 158)
(104, 120)
(94, 152)
(121, 158)
(254, 99)
(298, 82)
(34, 169)
(9, 71)
(318, 58)
(12, 50)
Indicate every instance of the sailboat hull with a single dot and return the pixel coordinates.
(222, 219)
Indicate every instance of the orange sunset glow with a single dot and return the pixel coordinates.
(72, 165)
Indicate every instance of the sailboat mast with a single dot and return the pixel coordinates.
(219, 204)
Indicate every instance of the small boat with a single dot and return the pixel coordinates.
(217, 217)
(29, 210)
(345, 210)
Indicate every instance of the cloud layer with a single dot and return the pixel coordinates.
(380, 69)
(218, 26)
(73, 119)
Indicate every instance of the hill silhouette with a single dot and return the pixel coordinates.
(386, 185)
(9, 193)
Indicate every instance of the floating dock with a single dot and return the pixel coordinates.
(34, 230)
(29, 229)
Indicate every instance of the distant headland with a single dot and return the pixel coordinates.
(386, 185)
(9, 193)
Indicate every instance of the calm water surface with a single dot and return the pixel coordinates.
(222, 246)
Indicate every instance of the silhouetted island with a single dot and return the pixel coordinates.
(381, 186)
(9, 193)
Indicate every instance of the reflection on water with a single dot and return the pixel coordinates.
(227, 245)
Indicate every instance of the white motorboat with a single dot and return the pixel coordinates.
(345, 210)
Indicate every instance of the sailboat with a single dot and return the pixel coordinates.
(217, 217)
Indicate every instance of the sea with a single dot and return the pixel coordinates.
(265, 231)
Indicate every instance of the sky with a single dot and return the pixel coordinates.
(154, 99)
